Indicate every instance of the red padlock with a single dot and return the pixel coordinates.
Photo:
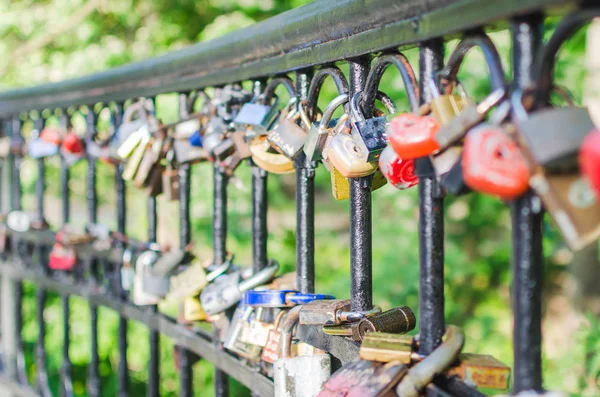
(62, 258)
(494, 164)
(399, 173)
(589, 159)
(413, 136)
(50, 135)
(73, 144)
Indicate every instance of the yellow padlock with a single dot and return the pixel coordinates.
(340, 185)
(262, 156)
(192, 309)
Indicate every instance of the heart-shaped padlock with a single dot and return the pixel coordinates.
(398, 172)
(413, 136)
(494, 164)
(589, 159)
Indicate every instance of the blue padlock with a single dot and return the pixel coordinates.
(195, 139)
(280, 298)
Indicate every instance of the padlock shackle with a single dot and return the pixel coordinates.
(356, 105)
(378, 68)
(259, 278)
(490, 54)
(187, 101)
(543, 72)
(422, 374)
(285, 343)
(338, 101)
(276, 82)
(316, 84)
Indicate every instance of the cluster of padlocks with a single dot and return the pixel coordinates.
(503, 146)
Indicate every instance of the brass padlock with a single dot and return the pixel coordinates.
(346, 155)
(340, 185)
(263, 156)
(482, 371)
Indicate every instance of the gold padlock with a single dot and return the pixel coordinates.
(481, 370)
(340, 185)
(192, 309)
(346, 155)
(263, 156)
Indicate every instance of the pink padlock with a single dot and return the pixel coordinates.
(62, 258)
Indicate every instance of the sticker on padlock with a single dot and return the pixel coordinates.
(364, 379)
(227, 290)
(493, 163)
(62, 258)
(280, 298)
(301, 375)
(399, 173)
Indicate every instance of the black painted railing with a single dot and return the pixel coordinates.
(302, 43)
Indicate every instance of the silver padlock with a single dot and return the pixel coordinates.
(233, 343)
(142, 266)
(228, 289)
(318, 135)
(257, 116)
(300, 376)
(288, 136)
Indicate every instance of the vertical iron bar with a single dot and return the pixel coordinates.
(361, 271)
(186, 372)
(259, 218)
(431, 224)
(305, 205)
(154, 338)
(220, 180)
(66, 383)
(123, 378)
(18, 302)
(41, 294)
(92, 204)
(527, 215)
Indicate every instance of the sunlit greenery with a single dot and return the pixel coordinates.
(52, 40)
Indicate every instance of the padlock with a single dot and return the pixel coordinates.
(136, 124)
(192, 309)
(556, 178)
(257, 117)
(150, 159)
(589, 159)
(319, 133)
(370, 134)
(192, 280)
(280, 298)
(51, 135)
(493, 163)
(399, 173)
(195, 139)
(127, 271)
(227, 290)
(288, 136)
(170, 179)
(300, 376)
(362, 378)
(37, 148)
(186, 153)
(143, 265)
(257, 330)
(72, 148)
(154, 184)
(481, 371)
(156, 279)
(18, 221)
(62, 257)
(413, 136)
(438, 361)
(263, 156)
(135, 159)
(386, 347)
(241, 320)
(331, 312)
(346, 155)
(270, 351)
(398, 320)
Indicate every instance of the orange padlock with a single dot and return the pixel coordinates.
(494, 164)
(51, 135)
(412, 136)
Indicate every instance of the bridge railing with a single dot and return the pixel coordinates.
(299, 44)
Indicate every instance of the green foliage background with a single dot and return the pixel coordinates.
(52, 40)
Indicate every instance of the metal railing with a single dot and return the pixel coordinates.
(304, 42)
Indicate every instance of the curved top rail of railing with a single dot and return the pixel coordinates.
(321, 32)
